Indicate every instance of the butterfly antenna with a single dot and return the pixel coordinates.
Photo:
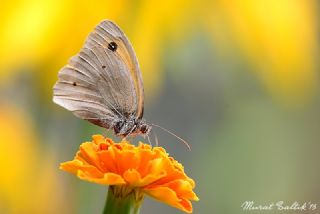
(155, 138)
(166, 130)
(149, 140)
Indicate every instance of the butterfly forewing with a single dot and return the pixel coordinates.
(104, 34)
(102, 84)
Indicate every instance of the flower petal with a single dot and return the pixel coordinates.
(98, 139)
(108, 161)
(183, 189)
(169, 196)
(76, 165)
(107, 179)
(88, 153)
(126, 159)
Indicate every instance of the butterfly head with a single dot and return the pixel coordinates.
(144, 128)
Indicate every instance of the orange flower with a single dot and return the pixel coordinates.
(141, 169)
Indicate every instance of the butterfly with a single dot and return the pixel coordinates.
(102, 83)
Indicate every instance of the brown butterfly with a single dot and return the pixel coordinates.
(103, 83)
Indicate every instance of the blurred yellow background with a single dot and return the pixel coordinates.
(237, 79)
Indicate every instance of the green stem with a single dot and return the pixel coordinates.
(122, 200)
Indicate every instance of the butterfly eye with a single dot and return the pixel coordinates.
(112, 46)
(143, 129)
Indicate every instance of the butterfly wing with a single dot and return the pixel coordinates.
(107, 32)
(99, 84)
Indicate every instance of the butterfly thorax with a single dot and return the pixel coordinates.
(131, 126)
